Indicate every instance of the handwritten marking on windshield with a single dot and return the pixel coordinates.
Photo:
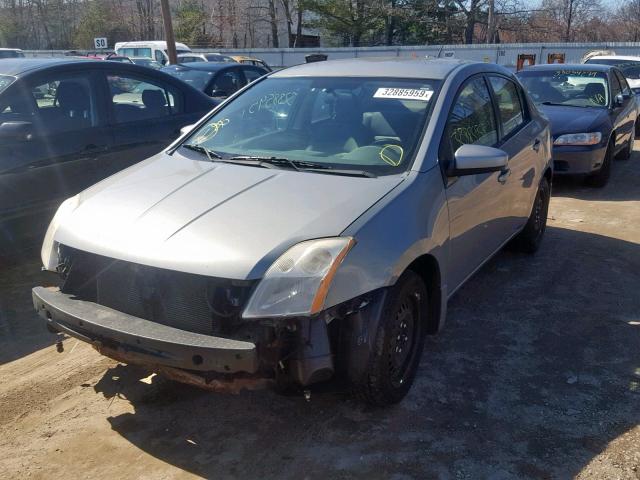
(210, 131)
(272, 99)
(392, 154)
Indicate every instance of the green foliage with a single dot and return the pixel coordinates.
(189, 24)
(98, 20)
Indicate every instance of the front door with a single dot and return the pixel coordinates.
(58, 158)
(477, 202)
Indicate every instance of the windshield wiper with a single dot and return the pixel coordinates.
(277, 161)
(211, 155)
(345, 171)
(563, 104)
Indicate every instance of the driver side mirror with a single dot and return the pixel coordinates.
(16, 131)
(619, 100)
(473, 159)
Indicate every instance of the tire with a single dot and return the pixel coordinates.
(529, 239)
(625, 153)
(601, 177)
(398, 345)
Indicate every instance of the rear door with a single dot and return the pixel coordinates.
(69, 136)
(145, 114)
(522, 140)
(477, 203)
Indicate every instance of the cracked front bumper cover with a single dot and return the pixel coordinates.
(151, 343)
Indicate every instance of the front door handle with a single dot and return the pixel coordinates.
(536, 145)
(504, 174)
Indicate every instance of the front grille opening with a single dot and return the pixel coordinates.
(190, 302)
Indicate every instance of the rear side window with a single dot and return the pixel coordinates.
(5, 81)
(135, 99)
(509, 104)
(252, 74)
(472, 119)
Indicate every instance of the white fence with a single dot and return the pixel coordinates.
(503, 54)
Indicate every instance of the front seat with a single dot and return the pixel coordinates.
(155, 103)
(74, 105)
(596, 93)
(343, 132)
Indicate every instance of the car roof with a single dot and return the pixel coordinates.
(586, 67)
(206, 66)
(10, 49)
(397, 67)
(615, 57)
(18, 66)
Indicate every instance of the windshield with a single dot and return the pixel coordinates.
(196, 78)
(578, 88)
(630, 68)
(5, 81)
(366, 124)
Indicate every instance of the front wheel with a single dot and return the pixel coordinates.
(398, 345)
(601, 177)
(529, 239)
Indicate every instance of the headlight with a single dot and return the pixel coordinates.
(592, 138)
(49, 252)
(298, 282)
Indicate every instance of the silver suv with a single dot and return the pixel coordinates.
(312, 226)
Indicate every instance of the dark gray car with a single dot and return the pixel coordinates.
(313, 226)
(65, 124)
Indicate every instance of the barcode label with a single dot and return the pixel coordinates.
(404, 94)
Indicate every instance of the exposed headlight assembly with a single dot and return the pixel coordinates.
(298, 282)
(592, 138)
(49, 252)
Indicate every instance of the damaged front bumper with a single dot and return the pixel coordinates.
(142, 341)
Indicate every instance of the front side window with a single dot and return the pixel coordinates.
(64, 103)
(135, 99)
(574, 88)
(623, 83)
(472, 120)
(509, 104)
(365, 124)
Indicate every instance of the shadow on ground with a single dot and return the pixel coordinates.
(623, 186)
(535, 373)
(21, 330)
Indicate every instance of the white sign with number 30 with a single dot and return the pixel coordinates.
(100, 42)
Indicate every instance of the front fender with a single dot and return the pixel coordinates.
(410, 222)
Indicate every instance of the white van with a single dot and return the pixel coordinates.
(156, 49)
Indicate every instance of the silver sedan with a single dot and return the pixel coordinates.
(312, 226)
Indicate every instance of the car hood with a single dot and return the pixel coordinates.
(574, 119)
(214, 219)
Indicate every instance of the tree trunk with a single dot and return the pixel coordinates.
(299, 25)
(491, 22)
(567, 37)
(274, 23)
(287, 13)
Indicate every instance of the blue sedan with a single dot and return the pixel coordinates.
(592, 111)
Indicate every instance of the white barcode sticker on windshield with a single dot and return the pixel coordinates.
(404, 93)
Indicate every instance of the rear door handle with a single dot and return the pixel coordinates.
(502, 178)
(536, 145)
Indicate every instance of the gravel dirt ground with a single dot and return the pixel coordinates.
(536, 375)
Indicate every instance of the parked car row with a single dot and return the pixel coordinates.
(311, 227)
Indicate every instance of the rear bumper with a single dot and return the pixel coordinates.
(577, 160)
(148, 342)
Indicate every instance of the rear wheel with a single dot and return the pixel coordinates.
(399, 343)
(601, 177)
(529, 239)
